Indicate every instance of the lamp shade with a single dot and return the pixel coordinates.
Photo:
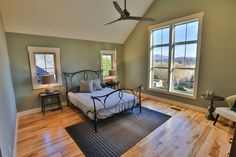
(112, 72)
(47, 79)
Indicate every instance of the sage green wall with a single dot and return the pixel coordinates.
(75, 55)
(218, 52)
(7, 101)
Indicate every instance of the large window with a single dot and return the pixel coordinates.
(174, 56)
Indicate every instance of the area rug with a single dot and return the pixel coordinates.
(116, 134)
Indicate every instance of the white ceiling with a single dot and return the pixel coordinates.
(77, 19)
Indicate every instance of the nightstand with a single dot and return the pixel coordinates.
(50, 100)
(113, 84)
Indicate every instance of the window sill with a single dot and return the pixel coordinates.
(37, 87)
(105, 78)
(172, 93)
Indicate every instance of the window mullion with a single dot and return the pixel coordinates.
(185, 55)
(186, 33)
(170, 64)
(184, 68)
(185, 42)
(161, 45)
(160, 67)
(45, 61)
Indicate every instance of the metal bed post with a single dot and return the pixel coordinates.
(140, 99)
(95, 116)
(67, 99)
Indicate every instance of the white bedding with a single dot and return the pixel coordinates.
(113, 103)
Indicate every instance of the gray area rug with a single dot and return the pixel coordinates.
(116, 134)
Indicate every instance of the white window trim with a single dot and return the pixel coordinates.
(114, 63)
(198, 16)
(34, 50)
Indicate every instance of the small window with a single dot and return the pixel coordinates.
(44, 61)
(174, 56)
(45, 65)
(108, 62)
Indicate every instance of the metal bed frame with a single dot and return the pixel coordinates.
(84, 75)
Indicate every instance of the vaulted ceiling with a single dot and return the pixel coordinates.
(77, 19)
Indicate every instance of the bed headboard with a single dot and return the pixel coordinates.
(73, 79)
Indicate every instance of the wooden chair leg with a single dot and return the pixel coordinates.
(217, 116)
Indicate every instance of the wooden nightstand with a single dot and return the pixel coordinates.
(50, 99)
(113, 84)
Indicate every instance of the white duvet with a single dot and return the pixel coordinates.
(114, 103)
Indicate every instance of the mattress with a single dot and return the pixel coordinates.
(114, 103)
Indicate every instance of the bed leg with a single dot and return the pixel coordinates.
(95, 126)
(95, 117)
(140, 108)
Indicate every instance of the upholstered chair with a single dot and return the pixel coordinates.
(225, 111)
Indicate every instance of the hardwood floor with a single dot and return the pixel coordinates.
(186, 134)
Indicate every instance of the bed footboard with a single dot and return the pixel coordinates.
(102, 99)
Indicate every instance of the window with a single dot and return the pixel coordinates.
(108, 61)
(106, 64)
(174, 56)
(44, 61)
(45, 64)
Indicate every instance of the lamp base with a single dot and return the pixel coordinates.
(50, 90)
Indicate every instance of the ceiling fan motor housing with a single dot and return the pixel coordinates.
(126, 12)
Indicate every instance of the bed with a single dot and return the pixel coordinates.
(100, 104)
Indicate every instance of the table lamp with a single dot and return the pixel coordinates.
(112, 74)
(48, 80)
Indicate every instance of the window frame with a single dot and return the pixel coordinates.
(46, 68)
(151, 58)
(57, 64)
(107, 64)
(113, 54)
(171, 24)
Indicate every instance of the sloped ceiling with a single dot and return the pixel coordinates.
(77, 19)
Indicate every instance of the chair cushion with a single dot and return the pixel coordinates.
(226, 112)
(233, 108)
(230, 100)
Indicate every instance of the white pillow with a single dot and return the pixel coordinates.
(86, 86)
(97, 85)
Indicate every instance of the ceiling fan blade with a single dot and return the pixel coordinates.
(113, 21)
(118, 8)
(140, 18)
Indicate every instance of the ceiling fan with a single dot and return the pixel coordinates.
(125, 15)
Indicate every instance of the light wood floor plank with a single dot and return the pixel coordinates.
(186, 134)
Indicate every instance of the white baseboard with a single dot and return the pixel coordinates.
(16, 137)
(32, 111)
(196, 108)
